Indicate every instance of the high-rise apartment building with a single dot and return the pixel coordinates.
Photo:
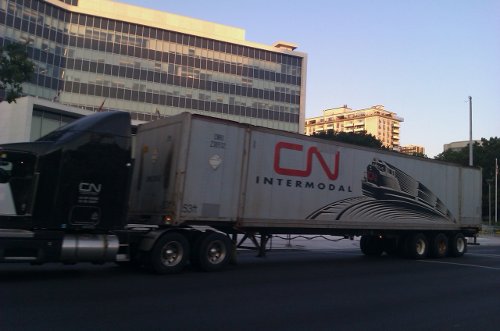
(95, 54)
(376, 120)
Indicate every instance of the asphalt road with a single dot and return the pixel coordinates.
(310, 288)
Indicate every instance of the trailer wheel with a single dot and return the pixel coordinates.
(213, 251)
(417, 246)
(169, 254)
(371, 245)
(439, 246)
(458, 245)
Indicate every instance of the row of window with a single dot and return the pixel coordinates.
(179, 102)
(159, 34)
(157, 77)
(70, 2)
(177, 80)
(264, 111)
(147, 54)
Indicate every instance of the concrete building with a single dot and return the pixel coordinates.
(412, 149)
(92, 54)
(458, 145)
(376, 120)
(30, 118)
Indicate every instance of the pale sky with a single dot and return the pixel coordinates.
(421, 59)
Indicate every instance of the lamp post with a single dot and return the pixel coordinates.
(496, 191)
(489, 181)
(470, 132)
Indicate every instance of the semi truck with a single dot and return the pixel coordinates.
(192, 189)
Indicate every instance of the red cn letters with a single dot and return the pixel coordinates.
(311, 151)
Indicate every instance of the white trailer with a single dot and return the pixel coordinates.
(194, 170)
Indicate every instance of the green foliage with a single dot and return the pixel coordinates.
(15, 69)
(356, 138)
(484, 155)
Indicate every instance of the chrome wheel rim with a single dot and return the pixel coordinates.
(172, 254)
(460, 245)
(216, 252)
(420, 247)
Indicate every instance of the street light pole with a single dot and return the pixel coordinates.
(496, 190)
(489, 181)
(470, 132)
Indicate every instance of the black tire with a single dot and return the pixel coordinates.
(439, 246)
(371, 245)
(213, 252)
(417, 246)
(458, 245)
(169, 254)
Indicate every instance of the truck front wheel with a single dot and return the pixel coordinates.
(169, 254)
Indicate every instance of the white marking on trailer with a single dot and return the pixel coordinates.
(215, 161)
(461, 264)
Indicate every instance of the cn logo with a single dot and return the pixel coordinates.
(312, 151)
(89, 188)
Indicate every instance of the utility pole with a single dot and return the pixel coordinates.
(470, 132)
(496, 190)
(489, 200)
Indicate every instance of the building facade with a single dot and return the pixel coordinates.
(376, 120)
(30, 118)
(99, 54)
(413, 150)
(458, 145)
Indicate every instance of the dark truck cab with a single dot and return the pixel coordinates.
(62, 195)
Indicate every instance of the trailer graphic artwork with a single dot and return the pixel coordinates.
(388, 193)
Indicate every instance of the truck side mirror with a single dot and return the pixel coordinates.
(4, 176)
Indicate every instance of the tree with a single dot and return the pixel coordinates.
(15, 69)
(356, 138)
(484, 155)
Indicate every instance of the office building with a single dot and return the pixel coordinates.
(459, 145)
(100, 54)
(376, 120)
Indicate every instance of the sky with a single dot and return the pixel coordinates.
(420, 59)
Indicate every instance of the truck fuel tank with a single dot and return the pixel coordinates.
(98, 248)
